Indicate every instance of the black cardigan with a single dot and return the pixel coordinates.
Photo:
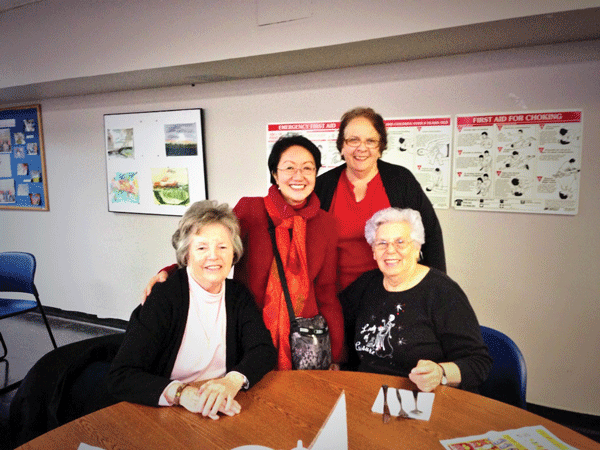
(403, 191)
(141, 369)
(56, 389)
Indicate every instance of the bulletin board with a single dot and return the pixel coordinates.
(23, 181)
(155, 161)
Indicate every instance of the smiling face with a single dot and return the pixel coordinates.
(393, 260)
(296, 174)
(361, 160)
(210, 256)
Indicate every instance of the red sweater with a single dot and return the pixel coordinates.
(355, 255)
(321, 254)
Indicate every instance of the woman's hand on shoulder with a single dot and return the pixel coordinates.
(427, 375)
(160, 277)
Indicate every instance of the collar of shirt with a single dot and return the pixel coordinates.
(197, 292)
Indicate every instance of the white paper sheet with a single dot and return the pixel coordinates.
(424, 402)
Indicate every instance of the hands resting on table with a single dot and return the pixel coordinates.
(428, 375)
(209, 397)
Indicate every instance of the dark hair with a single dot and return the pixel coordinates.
(369, 114)
(285, 142)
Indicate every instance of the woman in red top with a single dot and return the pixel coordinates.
(307, 241)
(365, 184)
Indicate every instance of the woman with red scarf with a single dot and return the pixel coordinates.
(307, 241)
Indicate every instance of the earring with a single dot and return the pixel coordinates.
(420, 255)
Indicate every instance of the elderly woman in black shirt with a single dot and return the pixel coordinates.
(408, 319)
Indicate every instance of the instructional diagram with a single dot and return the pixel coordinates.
(518, 162)
(422, 145)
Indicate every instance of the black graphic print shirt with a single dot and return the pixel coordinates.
(388, 332)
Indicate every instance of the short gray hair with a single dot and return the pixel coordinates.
(199, 215)
(393, 215)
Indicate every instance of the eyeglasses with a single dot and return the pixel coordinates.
(354, 142)
(399, 245)
(291, 170)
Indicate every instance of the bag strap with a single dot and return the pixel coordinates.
(286, 292)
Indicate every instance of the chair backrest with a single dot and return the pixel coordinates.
(17, 270)
(507, 381)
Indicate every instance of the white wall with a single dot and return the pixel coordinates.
(535, 277)
(61, 39)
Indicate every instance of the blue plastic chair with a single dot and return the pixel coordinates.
(17, 270)
(507, 381)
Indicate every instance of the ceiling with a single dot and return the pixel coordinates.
(570, 26)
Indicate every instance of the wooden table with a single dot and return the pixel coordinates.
(287, 406)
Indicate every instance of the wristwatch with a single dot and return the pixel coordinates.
(444, 381)
(178, 393)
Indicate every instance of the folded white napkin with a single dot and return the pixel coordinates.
(424, 402)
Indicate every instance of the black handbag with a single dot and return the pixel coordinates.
(310, 343)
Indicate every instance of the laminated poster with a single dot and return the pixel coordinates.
(518, 162)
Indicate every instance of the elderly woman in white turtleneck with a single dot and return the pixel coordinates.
(199, 337)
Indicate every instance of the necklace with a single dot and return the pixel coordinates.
(206, 335)
(208, 314)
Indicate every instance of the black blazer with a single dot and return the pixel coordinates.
(403, 191)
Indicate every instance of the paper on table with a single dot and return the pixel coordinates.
(333, 435)
(83, 446)
(526, 438)
(534, 437)
(425, 403)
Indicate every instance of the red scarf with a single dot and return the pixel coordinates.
(293, 256)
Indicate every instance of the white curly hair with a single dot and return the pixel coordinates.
(392, 215)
